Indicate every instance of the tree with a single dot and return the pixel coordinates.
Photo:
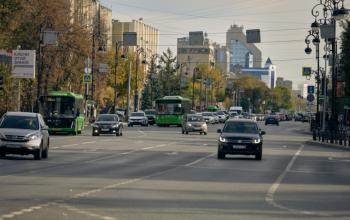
(169, 82)
(281, 98)
(253, 93)
(22, 23)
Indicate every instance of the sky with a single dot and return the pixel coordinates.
(284, 24)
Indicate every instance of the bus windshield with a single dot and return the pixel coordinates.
(58, 107)
(169, 108)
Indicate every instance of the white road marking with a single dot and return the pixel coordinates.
(338, 160)
(269, 198)
(89, 142)
(67, 145)
(199, 160)
(147, 148)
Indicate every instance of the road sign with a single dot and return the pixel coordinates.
(87, 78)
(310, 89)
(306, 71)
(103, 68)
(87, 71)
(23, 64)
(253, 36)
(310, 97)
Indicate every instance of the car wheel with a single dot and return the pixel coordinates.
(201, 133)
(221, 155)
(45, 153)
(205, 133)
(38, 153)
(183, 132)
(258, 156)
(186, 132)
(2, 155)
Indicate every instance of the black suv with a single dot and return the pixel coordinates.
(151, 116)
(240, 136)
(271, 120)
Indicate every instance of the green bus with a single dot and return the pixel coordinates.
(171, 109)
(63, 112)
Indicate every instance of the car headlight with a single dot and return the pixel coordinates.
(222, 139)
(256, 140)
(189, 125)
(115, 125)
(34, 136)
(2, 136)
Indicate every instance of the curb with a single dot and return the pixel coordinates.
(328, 145)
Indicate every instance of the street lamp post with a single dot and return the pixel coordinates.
(139, 50)
(193, 81)
(314, 33)
(330, 11)
(116, 59)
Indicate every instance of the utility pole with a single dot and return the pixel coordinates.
(116, 59)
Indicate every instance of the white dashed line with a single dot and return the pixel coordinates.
(199, 160)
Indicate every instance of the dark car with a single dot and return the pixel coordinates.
(240, 136)
(151, 116)
(271, 120)
(107, 124)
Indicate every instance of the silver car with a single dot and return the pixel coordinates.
(194, 123)
(24, 133)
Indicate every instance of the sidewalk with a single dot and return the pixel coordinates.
(328, 145)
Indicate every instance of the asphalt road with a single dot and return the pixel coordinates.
(158, 173)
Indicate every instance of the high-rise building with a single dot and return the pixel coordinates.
(191, 55)
(222, 58)
(147, 36)
(284, 83)
(266, 74)
(243, 54)
(106, 27)
(96, 18)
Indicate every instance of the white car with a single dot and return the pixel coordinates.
(138, 118)
(208, 117)
(24, 133)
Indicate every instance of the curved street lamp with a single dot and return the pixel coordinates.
(314, 34)
(327, 12)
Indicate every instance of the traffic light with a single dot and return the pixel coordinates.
(1, 83)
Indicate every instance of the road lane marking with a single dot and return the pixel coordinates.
(90, 192)
(147, 148)
(89, 142)
(338, 160)
(199, 160)
(67, 145)
(83, 212)
(269, 198)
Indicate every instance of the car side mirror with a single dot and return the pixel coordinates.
(44, 128)
(219, 131)
(262, 132)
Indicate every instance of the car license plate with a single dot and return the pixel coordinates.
(104, 129)
(13, 146)
(238, 146)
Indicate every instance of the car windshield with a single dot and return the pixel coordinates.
(20, 122)
(194, 118)
(240, 127)
(107, 118)
(207, 114)
(137, 114)
(150, 112)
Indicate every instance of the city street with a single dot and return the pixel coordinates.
(159, 173)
